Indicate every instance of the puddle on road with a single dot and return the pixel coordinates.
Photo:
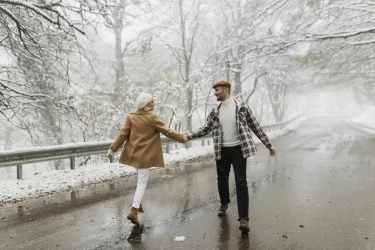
(30, 209)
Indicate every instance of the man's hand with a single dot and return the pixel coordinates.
(272, 151)
(110, 153)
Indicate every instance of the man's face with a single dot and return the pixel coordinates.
(220, 93)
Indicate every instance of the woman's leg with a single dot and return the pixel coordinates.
(143, 174)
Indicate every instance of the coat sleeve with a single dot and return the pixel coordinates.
(170, 133)
(255, 127)
(205, 129)
(122, 136)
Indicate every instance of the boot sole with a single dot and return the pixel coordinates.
(245, 230)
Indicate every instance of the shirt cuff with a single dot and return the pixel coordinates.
(188, 136)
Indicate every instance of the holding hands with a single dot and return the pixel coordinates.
(185, 139)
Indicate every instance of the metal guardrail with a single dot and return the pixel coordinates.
(361, 127)
(23, 156)
(19, 157)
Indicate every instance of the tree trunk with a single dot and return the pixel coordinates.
(118, 27)
(227, 71)
(256, 81)
(277, 95)
(187, 53)
(119, 69)
(8, 138)
(189, 109)
(237, 81)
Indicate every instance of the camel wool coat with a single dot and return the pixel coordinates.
(140, 140)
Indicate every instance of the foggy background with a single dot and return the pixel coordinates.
(70, 70)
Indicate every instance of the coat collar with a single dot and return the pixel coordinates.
(142, 112)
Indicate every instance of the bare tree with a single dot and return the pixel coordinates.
(38, 37)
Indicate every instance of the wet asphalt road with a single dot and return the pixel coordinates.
(323, 179)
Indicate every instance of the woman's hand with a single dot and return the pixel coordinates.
(185, 139)
(110, 153)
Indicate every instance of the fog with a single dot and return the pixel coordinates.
(76, 79)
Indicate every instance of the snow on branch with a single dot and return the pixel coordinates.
(361, 42)
(342, 34)
(39, 10)
(22, 93)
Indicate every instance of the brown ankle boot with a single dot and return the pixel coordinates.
(244, 225)
(133, 216)
(140, 209)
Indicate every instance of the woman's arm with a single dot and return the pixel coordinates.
(170, 133)
(122, 136)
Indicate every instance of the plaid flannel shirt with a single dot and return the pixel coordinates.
(246, 122)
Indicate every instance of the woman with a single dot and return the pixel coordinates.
(142, 148)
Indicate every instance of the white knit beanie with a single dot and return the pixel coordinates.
(142, 100)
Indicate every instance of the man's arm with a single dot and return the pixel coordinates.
(255, 127)
(205, 129)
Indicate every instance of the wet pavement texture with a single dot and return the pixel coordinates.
(318, 193)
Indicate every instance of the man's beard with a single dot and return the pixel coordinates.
(220, 98)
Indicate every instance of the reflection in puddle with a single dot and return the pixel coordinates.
(223, 233)
(136, 233)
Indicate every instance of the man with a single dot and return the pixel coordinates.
(231, 123)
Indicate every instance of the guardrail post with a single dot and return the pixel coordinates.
(167, 148)
(187, 145)
(111, 158)
(72, 163)
(19, 172)
(203, 142)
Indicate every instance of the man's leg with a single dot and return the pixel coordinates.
(223, 170)
(239, 168)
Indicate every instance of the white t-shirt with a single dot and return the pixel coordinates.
(227, 119)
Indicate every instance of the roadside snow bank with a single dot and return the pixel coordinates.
(365, 121)
(367, 118)
(61, 180)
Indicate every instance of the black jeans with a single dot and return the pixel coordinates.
(233, 156)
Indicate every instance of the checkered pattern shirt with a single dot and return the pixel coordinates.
(246, 122)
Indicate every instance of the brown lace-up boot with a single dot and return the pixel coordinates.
(140, 209)
(244, 226)
(133, 216)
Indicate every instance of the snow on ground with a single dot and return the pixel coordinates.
(62, 180)
(365, 121)
(179, 238)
